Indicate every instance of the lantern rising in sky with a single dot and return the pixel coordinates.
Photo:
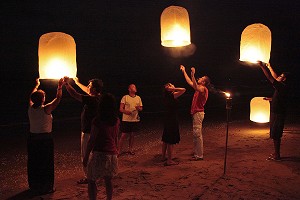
(175, 27)
(255, 43)
(259, 110)
(57, 56)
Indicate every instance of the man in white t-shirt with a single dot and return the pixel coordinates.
(131, 104)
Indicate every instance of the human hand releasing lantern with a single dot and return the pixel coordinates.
(182, 68)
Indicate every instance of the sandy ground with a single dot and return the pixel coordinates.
(143, 176)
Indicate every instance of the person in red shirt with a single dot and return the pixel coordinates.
(102, 149)
(197, 109)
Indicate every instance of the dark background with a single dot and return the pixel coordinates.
(119, 42)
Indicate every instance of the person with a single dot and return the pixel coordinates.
(103, 161)
(40, 146)
(197, 109)
(90, 104)
(130, 105)
(278, 106)
(171, 134)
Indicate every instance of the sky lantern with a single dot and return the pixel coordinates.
(57, 56)
(259, 110)
(255, 43)
(175, 27)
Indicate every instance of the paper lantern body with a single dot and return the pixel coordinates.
(57, 56)
(255, 43)
(175, 27)
(259, 110)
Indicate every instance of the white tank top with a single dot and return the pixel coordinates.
(40, 122)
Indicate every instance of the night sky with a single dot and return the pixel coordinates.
(119, 42)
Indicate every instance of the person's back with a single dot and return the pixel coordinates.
(107, 137)
(39, 120)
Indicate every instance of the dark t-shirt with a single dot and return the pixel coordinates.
(89, 111)
(280, 98)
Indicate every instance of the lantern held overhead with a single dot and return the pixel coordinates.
(259, 110)
(255, 43)
(175, 27)
(57, 56)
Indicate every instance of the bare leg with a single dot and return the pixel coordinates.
(109, 187)
(163, 151)
(121, 141)
(170, 148)
(277, 148)
(131, 140)
(92, 190)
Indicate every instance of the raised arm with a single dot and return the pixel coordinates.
(195, 85)
(37, 84)
(178, 92)
(54, 103)
(273, 73)
(82, 87)
(187, 78)
(266, 72)
(72, 91)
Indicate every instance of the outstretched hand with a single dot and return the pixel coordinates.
(193, 70)
(61, 82)
(37, 82)
(76, 80)
(182, 68)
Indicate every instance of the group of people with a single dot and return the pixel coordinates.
(100, 124)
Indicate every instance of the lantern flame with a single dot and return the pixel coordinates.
(259, 110)
(175, 27)
(255, 43)
(57, 56)
(227, 94)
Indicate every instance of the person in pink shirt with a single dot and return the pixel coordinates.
(197, 109)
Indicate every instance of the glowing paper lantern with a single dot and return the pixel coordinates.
(175, 27)
(255, 43)
(259, 110)
(57, 56)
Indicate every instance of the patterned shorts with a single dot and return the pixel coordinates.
(101, 165)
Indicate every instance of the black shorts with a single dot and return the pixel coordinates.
(276, 125)
(129, 127)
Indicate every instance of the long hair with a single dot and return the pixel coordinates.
(107, 110)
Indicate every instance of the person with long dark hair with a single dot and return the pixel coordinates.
(171, 133)
(40, 163)
(102, 150)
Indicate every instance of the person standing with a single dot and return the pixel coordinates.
(103, 143)
(40, 146)
(197, 109)
(131, 104)
(90, 104)
(278, 106)
(171, 133)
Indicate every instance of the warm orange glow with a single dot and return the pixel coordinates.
(57, 56)
(259, 110)
(175, 27)
(227, 94)
(255, 44)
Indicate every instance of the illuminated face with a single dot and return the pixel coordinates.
(132, 88)
(281, 78)
(201, 80)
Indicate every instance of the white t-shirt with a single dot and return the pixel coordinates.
(130, 104)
